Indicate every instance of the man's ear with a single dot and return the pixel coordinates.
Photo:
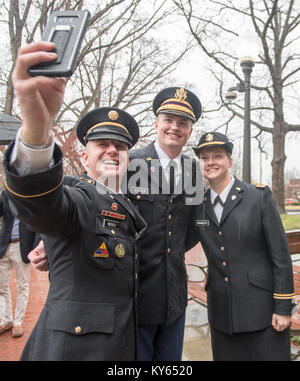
(156, 125)
(84, 158)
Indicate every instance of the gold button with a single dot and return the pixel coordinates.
(171, 201)
(222, 248)
(78, 329)
(113, 232)
(169, 250)
(136, 257)
(136, 275)
(138, 196)
(170, 216)
(220, 233)
(224, 264)
(226, 279)
(170, 233)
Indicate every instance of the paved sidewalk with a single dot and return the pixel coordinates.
(11, 348)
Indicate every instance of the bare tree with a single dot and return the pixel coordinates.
(120, 63)
(276, 23)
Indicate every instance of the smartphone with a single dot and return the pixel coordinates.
(66, 29)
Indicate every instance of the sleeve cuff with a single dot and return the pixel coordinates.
(26, 159)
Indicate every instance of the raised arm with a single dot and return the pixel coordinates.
(40, 98)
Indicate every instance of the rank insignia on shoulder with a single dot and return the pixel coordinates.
(120, 250)
(118, 216)
(91, 181)
(101, 252)
(262, 186)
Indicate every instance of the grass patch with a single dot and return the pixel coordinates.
(290, 221)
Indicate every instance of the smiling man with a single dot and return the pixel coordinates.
(162, 296)
(90, 232)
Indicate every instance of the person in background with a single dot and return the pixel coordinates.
(16, 241)
(250, 279)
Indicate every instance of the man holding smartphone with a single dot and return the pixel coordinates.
(90, 232)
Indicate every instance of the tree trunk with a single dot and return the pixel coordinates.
(278, 163)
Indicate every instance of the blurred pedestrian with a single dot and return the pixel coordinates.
(16, 241)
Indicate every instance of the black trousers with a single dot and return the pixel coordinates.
(264, 345)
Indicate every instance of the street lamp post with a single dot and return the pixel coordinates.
(247, 65)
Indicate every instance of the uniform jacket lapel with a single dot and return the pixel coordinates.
(233, 199)
(209, 209)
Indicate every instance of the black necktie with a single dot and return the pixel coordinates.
(172, 176)
(218, 199)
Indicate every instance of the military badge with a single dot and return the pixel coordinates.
(233, 197)
(181, 94)
(201, 222)
(109, 224)
(113, 115)
(209, 137)
(114, 206)
(118, 216)
(120, 250)
(101, 252)
(262, 186)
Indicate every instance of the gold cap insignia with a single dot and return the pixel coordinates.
(181, 94)
(209, 138)
(113, 115)
(120, 250)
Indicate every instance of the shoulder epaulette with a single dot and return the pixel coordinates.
(91, 181)
(261, 186)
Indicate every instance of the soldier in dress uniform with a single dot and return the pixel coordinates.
(89, 230)
(162, 296)
(250, 279)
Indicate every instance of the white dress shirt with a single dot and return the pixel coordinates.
(218, 208)
(165, 161)
(28, 159)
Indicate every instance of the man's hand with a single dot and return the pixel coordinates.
(280, 322)
(38, 258)
(40, 98)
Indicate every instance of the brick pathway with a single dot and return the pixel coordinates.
(11, 348)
